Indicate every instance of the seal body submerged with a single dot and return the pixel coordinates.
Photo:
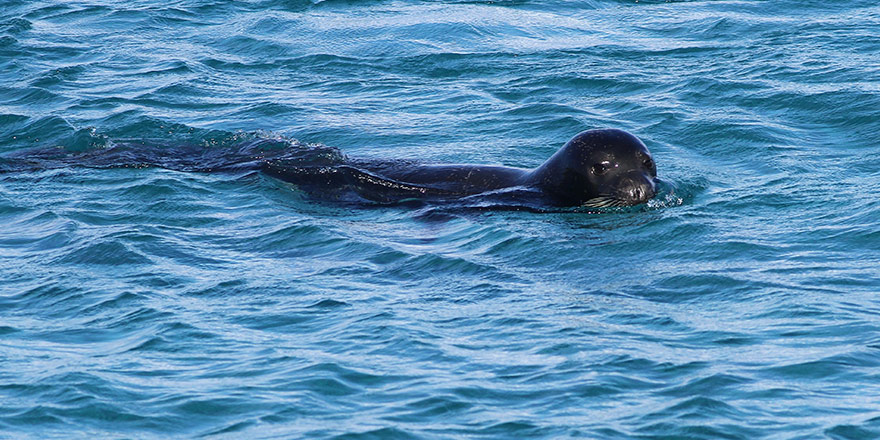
(607, 167)
(595, 168)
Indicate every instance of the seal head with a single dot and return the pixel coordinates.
(598, 168)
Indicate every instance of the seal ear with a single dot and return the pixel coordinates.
(574, 188)
(565, 185)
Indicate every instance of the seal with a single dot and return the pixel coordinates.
(596, 168)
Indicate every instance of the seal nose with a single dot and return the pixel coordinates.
(636, 190)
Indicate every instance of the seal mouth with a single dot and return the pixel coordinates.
(633, 197)
(606, 202)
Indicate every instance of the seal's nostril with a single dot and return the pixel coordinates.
(638, 192)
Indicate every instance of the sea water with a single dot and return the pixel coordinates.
(149, 303)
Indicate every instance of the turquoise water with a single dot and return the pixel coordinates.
(151, 303)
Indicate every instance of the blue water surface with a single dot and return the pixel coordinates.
(149, 303)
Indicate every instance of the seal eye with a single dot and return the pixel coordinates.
(649, 164)
(600, 168)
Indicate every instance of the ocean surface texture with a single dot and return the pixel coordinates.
(143, 302)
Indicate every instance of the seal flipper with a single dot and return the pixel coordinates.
(329, 180)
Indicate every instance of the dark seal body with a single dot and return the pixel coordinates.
(596, 168)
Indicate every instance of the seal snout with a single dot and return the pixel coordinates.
(637, 189)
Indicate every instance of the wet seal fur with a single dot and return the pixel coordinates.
(596, 168)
